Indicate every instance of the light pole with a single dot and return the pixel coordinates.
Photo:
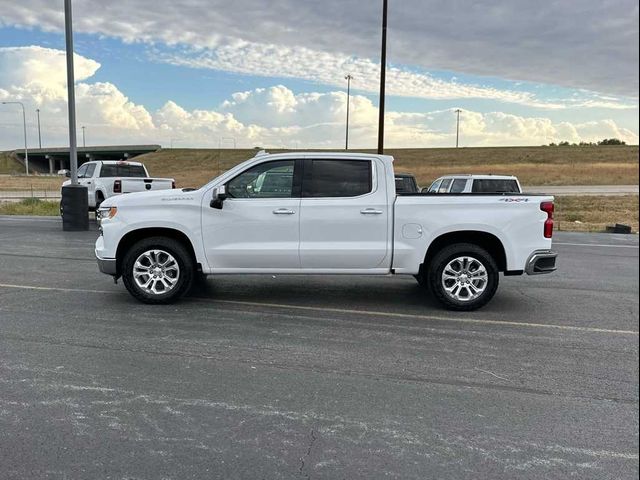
(458, 127)
(84, 143)
(348, 78)
(383, 73)
(71, 94)
(24, 127)
(75, 199)
(39, 136)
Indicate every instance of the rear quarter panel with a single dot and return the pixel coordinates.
(516, 221)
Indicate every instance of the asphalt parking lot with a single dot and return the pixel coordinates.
(315, 377)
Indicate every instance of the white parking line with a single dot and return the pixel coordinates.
(355, 312)
(595, 245)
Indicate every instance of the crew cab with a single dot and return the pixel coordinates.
(475, 184)
(323, 213)
(105, 179)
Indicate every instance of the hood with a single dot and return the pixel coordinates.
(153, 197)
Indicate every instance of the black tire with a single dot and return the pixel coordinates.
(99, 200)
(450, 254)
(185, 275)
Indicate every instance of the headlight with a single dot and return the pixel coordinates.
(106, 213)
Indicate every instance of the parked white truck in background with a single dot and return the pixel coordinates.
(105, 179)
(466, 183)
(323, 213)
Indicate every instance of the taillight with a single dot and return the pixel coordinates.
(548, 223)
(173, 184)
(117, 186)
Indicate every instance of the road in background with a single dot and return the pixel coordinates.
(579, 190)
(315, 377)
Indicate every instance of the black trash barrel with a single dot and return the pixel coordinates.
(74, 207)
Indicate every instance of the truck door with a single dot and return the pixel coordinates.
(258, 225)
(344, 214)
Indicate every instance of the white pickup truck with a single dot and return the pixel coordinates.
(323, 213)
(105, 179)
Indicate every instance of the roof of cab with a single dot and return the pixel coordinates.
(320, 154)
(487, 176)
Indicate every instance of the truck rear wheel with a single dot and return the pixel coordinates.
(157, 270)
(463, 277)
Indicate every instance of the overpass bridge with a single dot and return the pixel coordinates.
(50, 160)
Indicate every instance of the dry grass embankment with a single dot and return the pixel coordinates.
(593, 213)
(602, 165)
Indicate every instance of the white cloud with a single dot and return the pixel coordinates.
(587, 44)
(269, 117)
(330, 69)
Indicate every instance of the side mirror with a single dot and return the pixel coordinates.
(218, 197)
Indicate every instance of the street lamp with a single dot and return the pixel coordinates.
(348, 78)
(39, 136)
(458, 127)
(24, 126)
(75, 198)
(383, 73)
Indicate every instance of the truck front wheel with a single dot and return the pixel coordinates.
(157, 270)
(463, 277)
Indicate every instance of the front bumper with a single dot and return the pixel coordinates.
(107, 265)
(540, 262)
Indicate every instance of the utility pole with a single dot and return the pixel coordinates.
(24, 129)
(84, 143)
(458, 127)
(348, 78)
(39, 136)
(383, 73)
(75, 198)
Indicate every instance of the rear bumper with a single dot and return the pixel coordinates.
(541, 261)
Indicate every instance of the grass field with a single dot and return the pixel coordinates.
(593, 214)
(9, 165)
(30, 206)
(602, 165)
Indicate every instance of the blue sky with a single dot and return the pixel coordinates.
(293, 74)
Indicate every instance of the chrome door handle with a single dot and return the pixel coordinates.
(370, 211)
(283, 211)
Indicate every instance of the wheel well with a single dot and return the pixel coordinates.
(136, 235)
(488, 241)
(99, 193)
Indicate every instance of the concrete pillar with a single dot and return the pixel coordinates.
(52, 164)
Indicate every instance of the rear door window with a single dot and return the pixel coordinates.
(444, 186)
(458, 185)
(336, 178)
(495, 186)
